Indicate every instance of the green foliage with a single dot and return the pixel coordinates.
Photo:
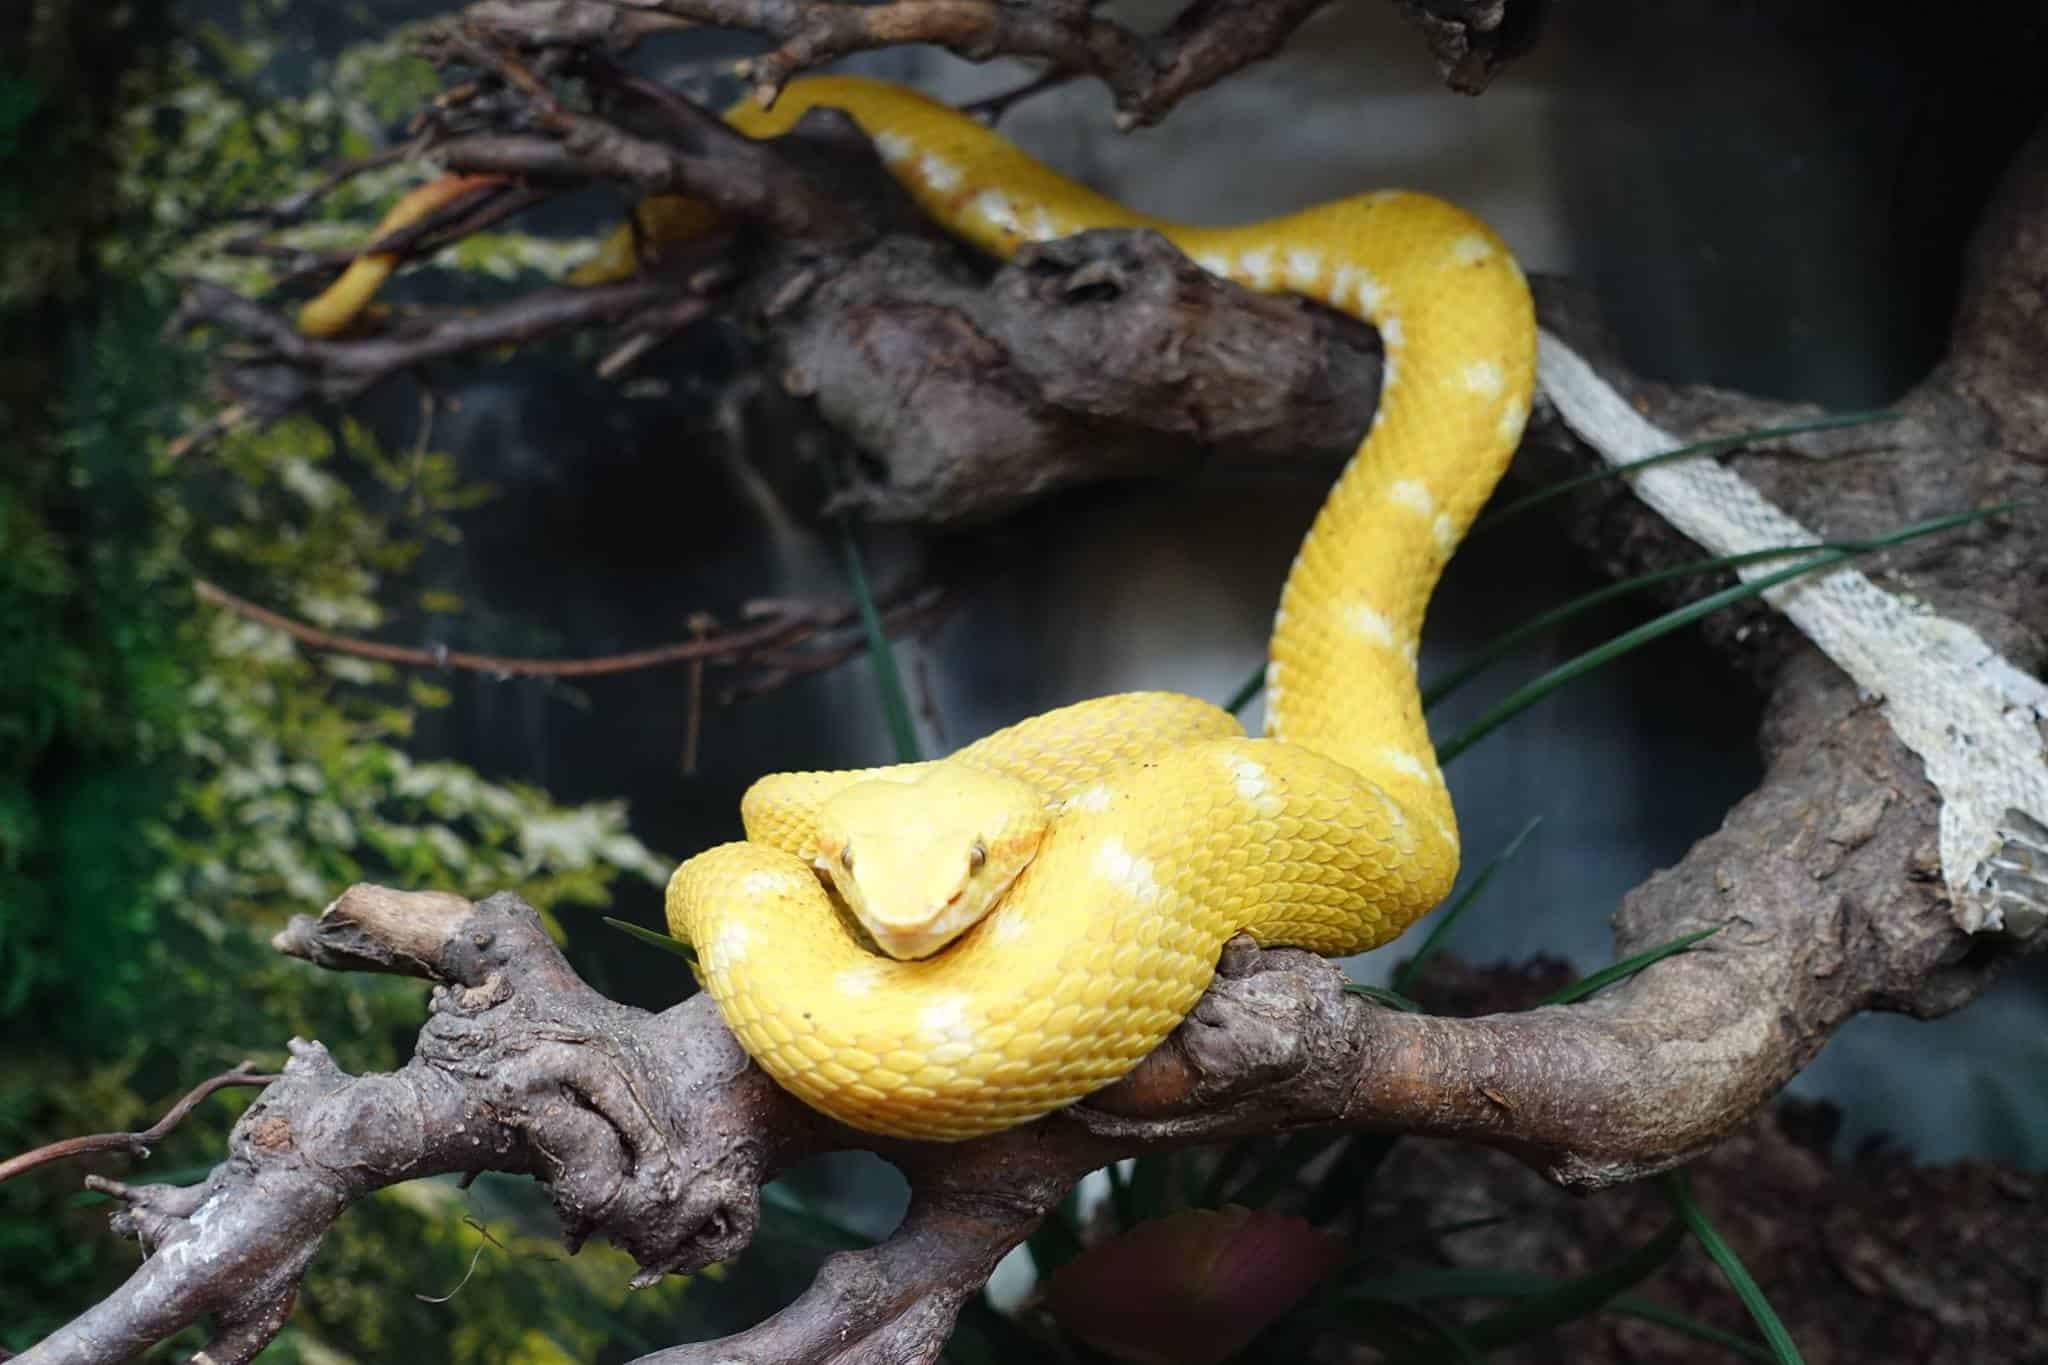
(175, 781)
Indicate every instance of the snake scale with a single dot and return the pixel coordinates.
(998, 933)
(1088, 864)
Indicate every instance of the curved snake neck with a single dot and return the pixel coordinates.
(1173, 831)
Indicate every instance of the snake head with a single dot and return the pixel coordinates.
(920, 863)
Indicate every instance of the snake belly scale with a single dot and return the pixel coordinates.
(1171, 830)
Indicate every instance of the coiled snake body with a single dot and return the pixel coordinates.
(1167, 829)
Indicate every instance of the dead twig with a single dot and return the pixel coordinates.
(772, 645)
(139, 1143)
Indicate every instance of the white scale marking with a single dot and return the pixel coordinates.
(1371, 294)
(1445, 533)
(730, 946)
(994, 206)
(859, 981)
(1117, 865)
(1471, 249)
(1483, 377)
(946, 1020)
(1412, 494)
(1373, 626)
(1512, 415)
(1405, 763)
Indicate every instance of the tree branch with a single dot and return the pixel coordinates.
(793, 639)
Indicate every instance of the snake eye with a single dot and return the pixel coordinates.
(976, 856)
(846, 857)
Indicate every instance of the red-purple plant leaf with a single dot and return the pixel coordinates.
(1192, 1288)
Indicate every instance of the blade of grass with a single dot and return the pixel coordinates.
(1513, 639)
(1348, 1177)
(1508, 641)
(1530, 693)
(818, 1227)
(1392, 999)
(661, 941)
(1001, 1339)
(1678, 1322)
(1057, 1238)
(895, 701)
(1678, 1189)
(1405, 975)
(1715, 446)
(1578, 1297)
(1389, 1328)
(1251, 687)
(1627, 967)
(1416, 1285)
(1282, 1168)
(1227, 1166)
(1152, 1185)
(1120, 1195)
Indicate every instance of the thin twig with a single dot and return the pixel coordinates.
(722, 648)
(471, 214)
(138, 1143)
(993, 109)
(772, 645)
(702, 624)
(294, 207)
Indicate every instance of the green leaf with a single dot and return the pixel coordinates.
(1678, 1189)
(1627, 967)
(895, 701)
(1530, 693)
(1715, 446)
(661, 941)
(1406, 975)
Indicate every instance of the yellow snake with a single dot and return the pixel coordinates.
(1050, 901)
